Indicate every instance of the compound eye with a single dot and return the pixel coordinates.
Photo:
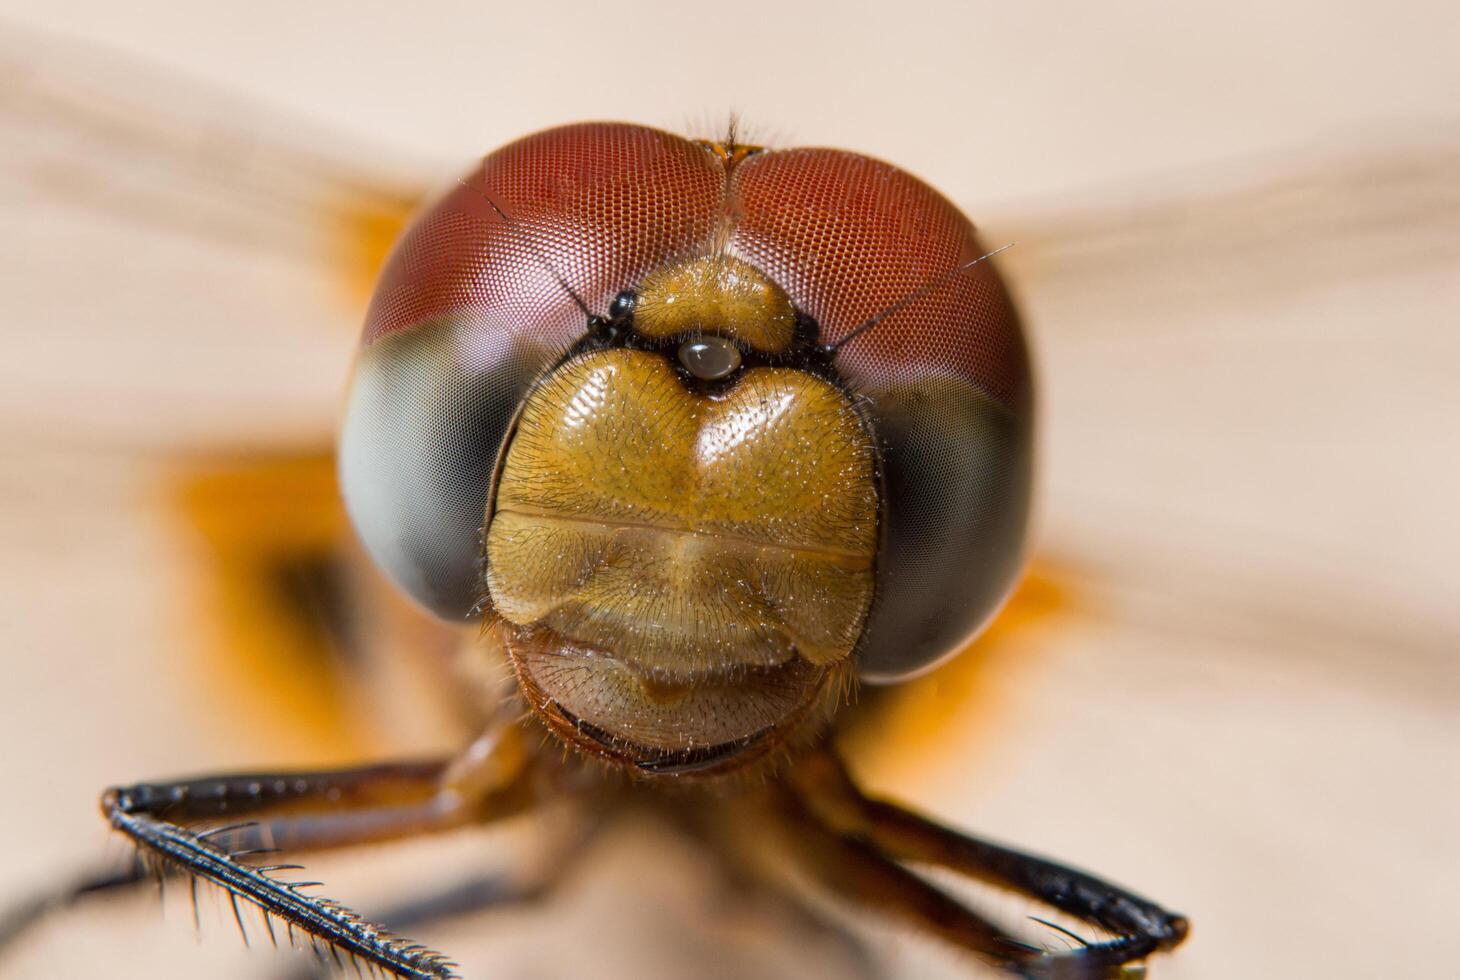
(709, 358)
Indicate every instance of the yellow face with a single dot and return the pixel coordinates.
(681, 568)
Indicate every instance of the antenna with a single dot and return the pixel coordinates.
(922, 291)
(512, 223)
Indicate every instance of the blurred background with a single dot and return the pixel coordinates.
(1229, 680)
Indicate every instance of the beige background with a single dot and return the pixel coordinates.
(1239, 233)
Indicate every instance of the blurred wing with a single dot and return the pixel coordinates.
(1247, 375)
(186, 274)
(169, 255)
(1233, 665)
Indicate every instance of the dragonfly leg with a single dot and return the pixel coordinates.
(476, 894)
(862, 842)
(753, 877)
(253, 815)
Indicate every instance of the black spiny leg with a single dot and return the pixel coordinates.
(862, 841)
(314, 810)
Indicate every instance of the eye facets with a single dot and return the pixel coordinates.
(709, 358)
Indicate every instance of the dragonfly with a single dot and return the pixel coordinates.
(1241, 367)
